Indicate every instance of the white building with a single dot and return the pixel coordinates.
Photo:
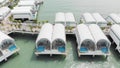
(70, 19)
(114, 18)
(27, 3)
(101, 41)
(7, 46)
(36, 1)
(23, 13)
(88, 18)
(85, 40)
(44, 40)
(59, 40)
(115, 35)
(4, 11)
(100, 20)
(60, 18)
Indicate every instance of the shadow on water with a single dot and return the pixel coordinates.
(114, 52)
(23, 36)
(72, 39)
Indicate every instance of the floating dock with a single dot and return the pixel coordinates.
(91, 40)
(59, 40)
(51, 40)
(115, 35)
(44, 40)
(7, 46)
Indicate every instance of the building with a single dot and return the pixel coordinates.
(70, 19)
(60, 18)
(4, 11)
(88, 19)
(23, 13)
(7, 46)
(44, 40)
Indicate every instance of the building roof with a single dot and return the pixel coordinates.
(45, 33)
(99, 18)
(21, 10)
(97, 34)
(84, 33)
(5, 38)
(3, 10)
(115, 18)
(69, 17)
(116, 29)
(60, 17)
(23, 7)
(26, 2)
(88, 18)
(59, 32)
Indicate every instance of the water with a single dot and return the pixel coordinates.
(50, 7)
(27, 58)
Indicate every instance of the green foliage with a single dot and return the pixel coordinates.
(109, 23)
(11, 7)
(69, 28)
(31, 27)
(35, 21)
(47, 21)
(13, 3)
(102, 28)
(14, 21)
(10, 0)
(11, 18)
(19, 25)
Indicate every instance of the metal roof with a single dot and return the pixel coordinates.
(59, 32)
(89, 18)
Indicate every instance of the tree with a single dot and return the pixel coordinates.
(10, 0)
(31, 27)
(109, 23)
(102, 28)
(11, 18)
(19, 25)
(46, 21)
(19, 21)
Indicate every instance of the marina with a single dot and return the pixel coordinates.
(66, 41)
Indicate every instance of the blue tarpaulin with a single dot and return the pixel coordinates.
(40, 48)
(12, 48)
(83, 49)
(105, 49)
(61, 48)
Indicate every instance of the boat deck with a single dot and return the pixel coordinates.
(7, 53)
(50, 52)
(93, 53)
